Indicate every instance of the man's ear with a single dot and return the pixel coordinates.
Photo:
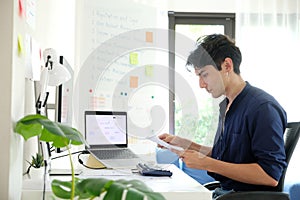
(228, 64)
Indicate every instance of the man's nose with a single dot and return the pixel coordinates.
(202, 84)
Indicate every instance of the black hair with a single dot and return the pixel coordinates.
(212, 50)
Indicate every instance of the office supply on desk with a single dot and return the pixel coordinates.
(64, 172)
(145, 170)
(92, 162)
(107, 137)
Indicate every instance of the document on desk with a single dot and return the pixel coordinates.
(165, 144)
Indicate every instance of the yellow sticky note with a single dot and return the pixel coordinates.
(134, 81)
(133, 58)
(20, 45)
(149, 70)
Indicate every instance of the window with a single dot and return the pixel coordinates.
(193, 115)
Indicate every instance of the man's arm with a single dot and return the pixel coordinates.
(185, 143)
(247, 173)
(206, 150)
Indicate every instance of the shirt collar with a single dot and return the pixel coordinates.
(223, 104)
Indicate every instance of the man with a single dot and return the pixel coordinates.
(248, 151)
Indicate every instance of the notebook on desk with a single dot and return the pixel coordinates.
(107, 137)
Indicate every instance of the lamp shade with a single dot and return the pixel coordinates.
(57, 76)
(54, 73)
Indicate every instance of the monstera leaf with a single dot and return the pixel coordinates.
(49, 131)
(110, 189)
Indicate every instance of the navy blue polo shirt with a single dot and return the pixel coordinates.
(251, 132)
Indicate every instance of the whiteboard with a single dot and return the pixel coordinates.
(122, 63)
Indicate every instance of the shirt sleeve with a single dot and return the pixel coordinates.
(269, 122)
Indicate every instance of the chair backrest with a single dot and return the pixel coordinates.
(254, 195)
(291, 137)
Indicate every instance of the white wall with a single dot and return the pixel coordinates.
(54, 27)
(6, 32)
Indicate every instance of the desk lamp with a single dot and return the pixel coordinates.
(53, 74)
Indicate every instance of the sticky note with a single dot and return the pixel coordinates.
(149, 37)
(20, 45)
(133, 58)
(21, 8)
(134, 81)
(149, 70)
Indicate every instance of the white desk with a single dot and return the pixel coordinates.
(179, 186)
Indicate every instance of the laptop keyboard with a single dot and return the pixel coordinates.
(114, 154)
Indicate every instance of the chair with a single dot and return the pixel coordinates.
(291, 137)
(256, 195)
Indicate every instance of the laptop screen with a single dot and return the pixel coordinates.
(106, 129)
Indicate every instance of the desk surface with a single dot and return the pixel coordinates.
(179, 186)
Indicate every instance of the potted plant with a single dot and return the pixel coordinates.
(61, 135)
(36, 165)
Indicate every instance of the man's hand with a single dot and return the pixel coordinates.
(193, 159)
(175, 140)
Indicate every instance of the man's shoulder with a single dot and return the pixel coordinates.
(255, 98)
(259, 95)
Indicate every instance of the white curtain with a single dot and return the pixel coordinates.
(267, 32)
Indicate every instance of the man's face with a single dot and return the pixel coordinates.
(211, 79)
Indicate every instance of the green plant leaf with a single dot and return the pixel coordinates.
(49, 131)
(93, 186)
(111, 189)
(133, 193)
(72, 134)
(136, 188)
(28, 131)
(61, 189)
(37, 161)
(81, 192)
(115, 191)
(28, 119)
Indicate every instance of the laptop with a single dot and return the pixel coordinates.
(107, 137)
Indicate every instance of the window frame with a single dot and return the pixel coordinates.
(226, 19)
